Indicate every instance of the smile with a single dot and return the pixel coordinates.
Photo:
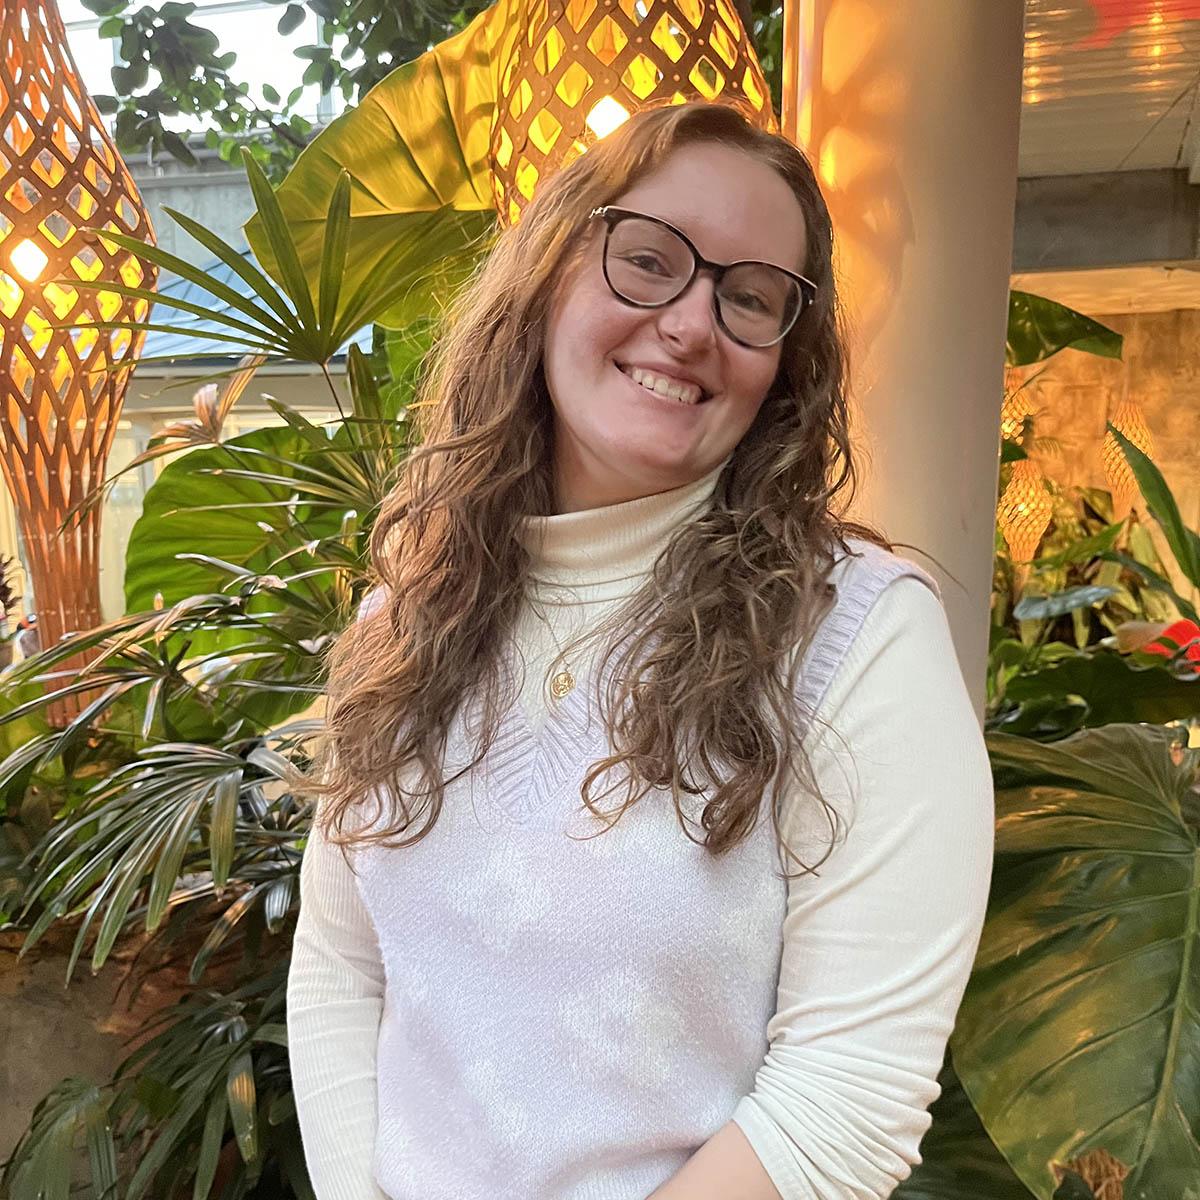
(663, 385)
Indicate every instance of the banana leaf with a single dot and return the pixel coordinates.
(416, 150)
(1079, 1031)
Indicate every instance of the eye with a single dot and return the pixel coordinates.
(645, 262)
(748, 300)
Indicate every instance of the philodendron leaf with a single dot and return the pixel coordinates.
(1039, 328)
(1079, 1032)
(416, 151)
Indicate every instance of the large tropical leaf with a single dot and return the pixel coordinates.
(1080, 1029)
(958, 1159)
(1113, 686)
(416, 150)
(1039, 328)
(247, 504)
(306, 317)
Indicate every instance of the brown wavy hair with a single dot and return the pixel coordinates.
(699, 689)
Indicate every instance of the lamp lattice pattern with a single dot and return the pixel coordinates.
(580, 67)
(1018, 406)
(59, 173)
(1024, 511)
(1131, 421)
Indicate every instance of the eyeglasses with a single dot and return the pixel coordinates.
(649, 263)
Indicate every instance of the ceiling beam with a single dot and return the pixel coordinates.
(1106, 219)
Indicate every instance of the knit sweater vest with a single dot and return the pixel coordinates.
(571, 1010)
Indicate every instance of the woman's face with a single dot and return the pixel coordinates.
(614, 439)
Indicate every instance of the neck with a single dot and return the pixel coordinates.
(605, 544)
(581, 484)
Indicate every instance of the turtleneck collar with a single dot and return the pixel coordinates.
(603, 546)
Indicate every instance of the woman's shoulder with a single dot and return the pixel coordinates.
(865, 568)
(863, 574)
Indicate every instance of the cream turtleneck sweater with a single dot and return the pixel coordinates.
(506, 1012)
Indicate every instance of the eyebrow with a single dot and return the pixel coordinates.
(674, 222)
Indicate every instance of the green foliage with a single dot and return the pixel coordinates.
(1053, 663)
(306, 317)
(1039, 328)
(958, 1159)
(213, 1078)
(169, 806)
(1079, 1030)
(170, 65)
(1184, 542)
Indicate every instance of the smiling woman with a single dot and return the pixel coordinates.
(629, 679)
(613, 442)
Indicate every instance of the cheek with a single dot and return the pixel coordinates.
(755, 375)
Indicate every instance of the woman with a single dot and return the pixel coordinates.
(655, 835)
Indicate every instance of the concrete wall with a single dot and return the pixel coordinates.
(214, 193)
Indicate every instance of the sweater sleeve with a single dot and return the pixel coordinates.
(878, 944)
(334, 1001)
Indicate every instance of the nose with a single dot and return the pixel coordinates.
(690, 320)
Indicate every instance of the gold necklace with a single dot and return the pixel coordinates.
(563, 681)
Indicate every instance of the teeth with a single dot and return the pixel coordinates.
(686, 393)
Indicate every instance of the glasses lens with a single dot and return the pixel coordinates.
(758, 302)
(648, 264)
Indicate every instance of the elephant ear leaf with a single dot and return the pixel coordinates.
(416, 151)
(1078, 1040)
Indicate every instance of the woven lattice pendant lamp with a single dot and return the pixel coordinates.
(1130, 419)
(579, 68)
(59, 174)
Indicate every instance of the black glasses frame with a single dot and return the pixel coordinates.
(612, 215)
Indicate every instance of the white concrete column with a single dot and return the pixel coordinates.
(910, 111)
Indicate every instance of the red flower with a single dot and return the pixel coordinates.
(1182, 633)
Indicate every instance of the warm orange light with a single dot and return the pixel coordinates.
(1023, 515)
(578, 69)
(62, 380)
(28, 260)
(1131, 421)
(606, 115)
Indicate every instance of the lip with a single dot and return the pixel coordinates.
(669, 372)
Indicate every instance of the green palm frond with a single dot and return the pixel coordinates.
(294, 320)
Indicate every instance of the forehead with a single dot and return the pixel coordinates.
(732, 205)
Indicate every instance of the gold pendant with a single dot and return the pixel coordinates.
(561, 684)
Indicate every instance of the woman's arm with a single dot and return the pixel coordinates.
(879, 943)
(335, 998)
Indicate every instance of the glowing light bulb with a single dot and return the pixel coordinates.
(28, 260)
(606, 115)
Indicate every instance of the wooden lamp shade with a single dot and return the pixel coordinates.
(1023, 515)
(579, 68)
(1131, 421)
(60, 174)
